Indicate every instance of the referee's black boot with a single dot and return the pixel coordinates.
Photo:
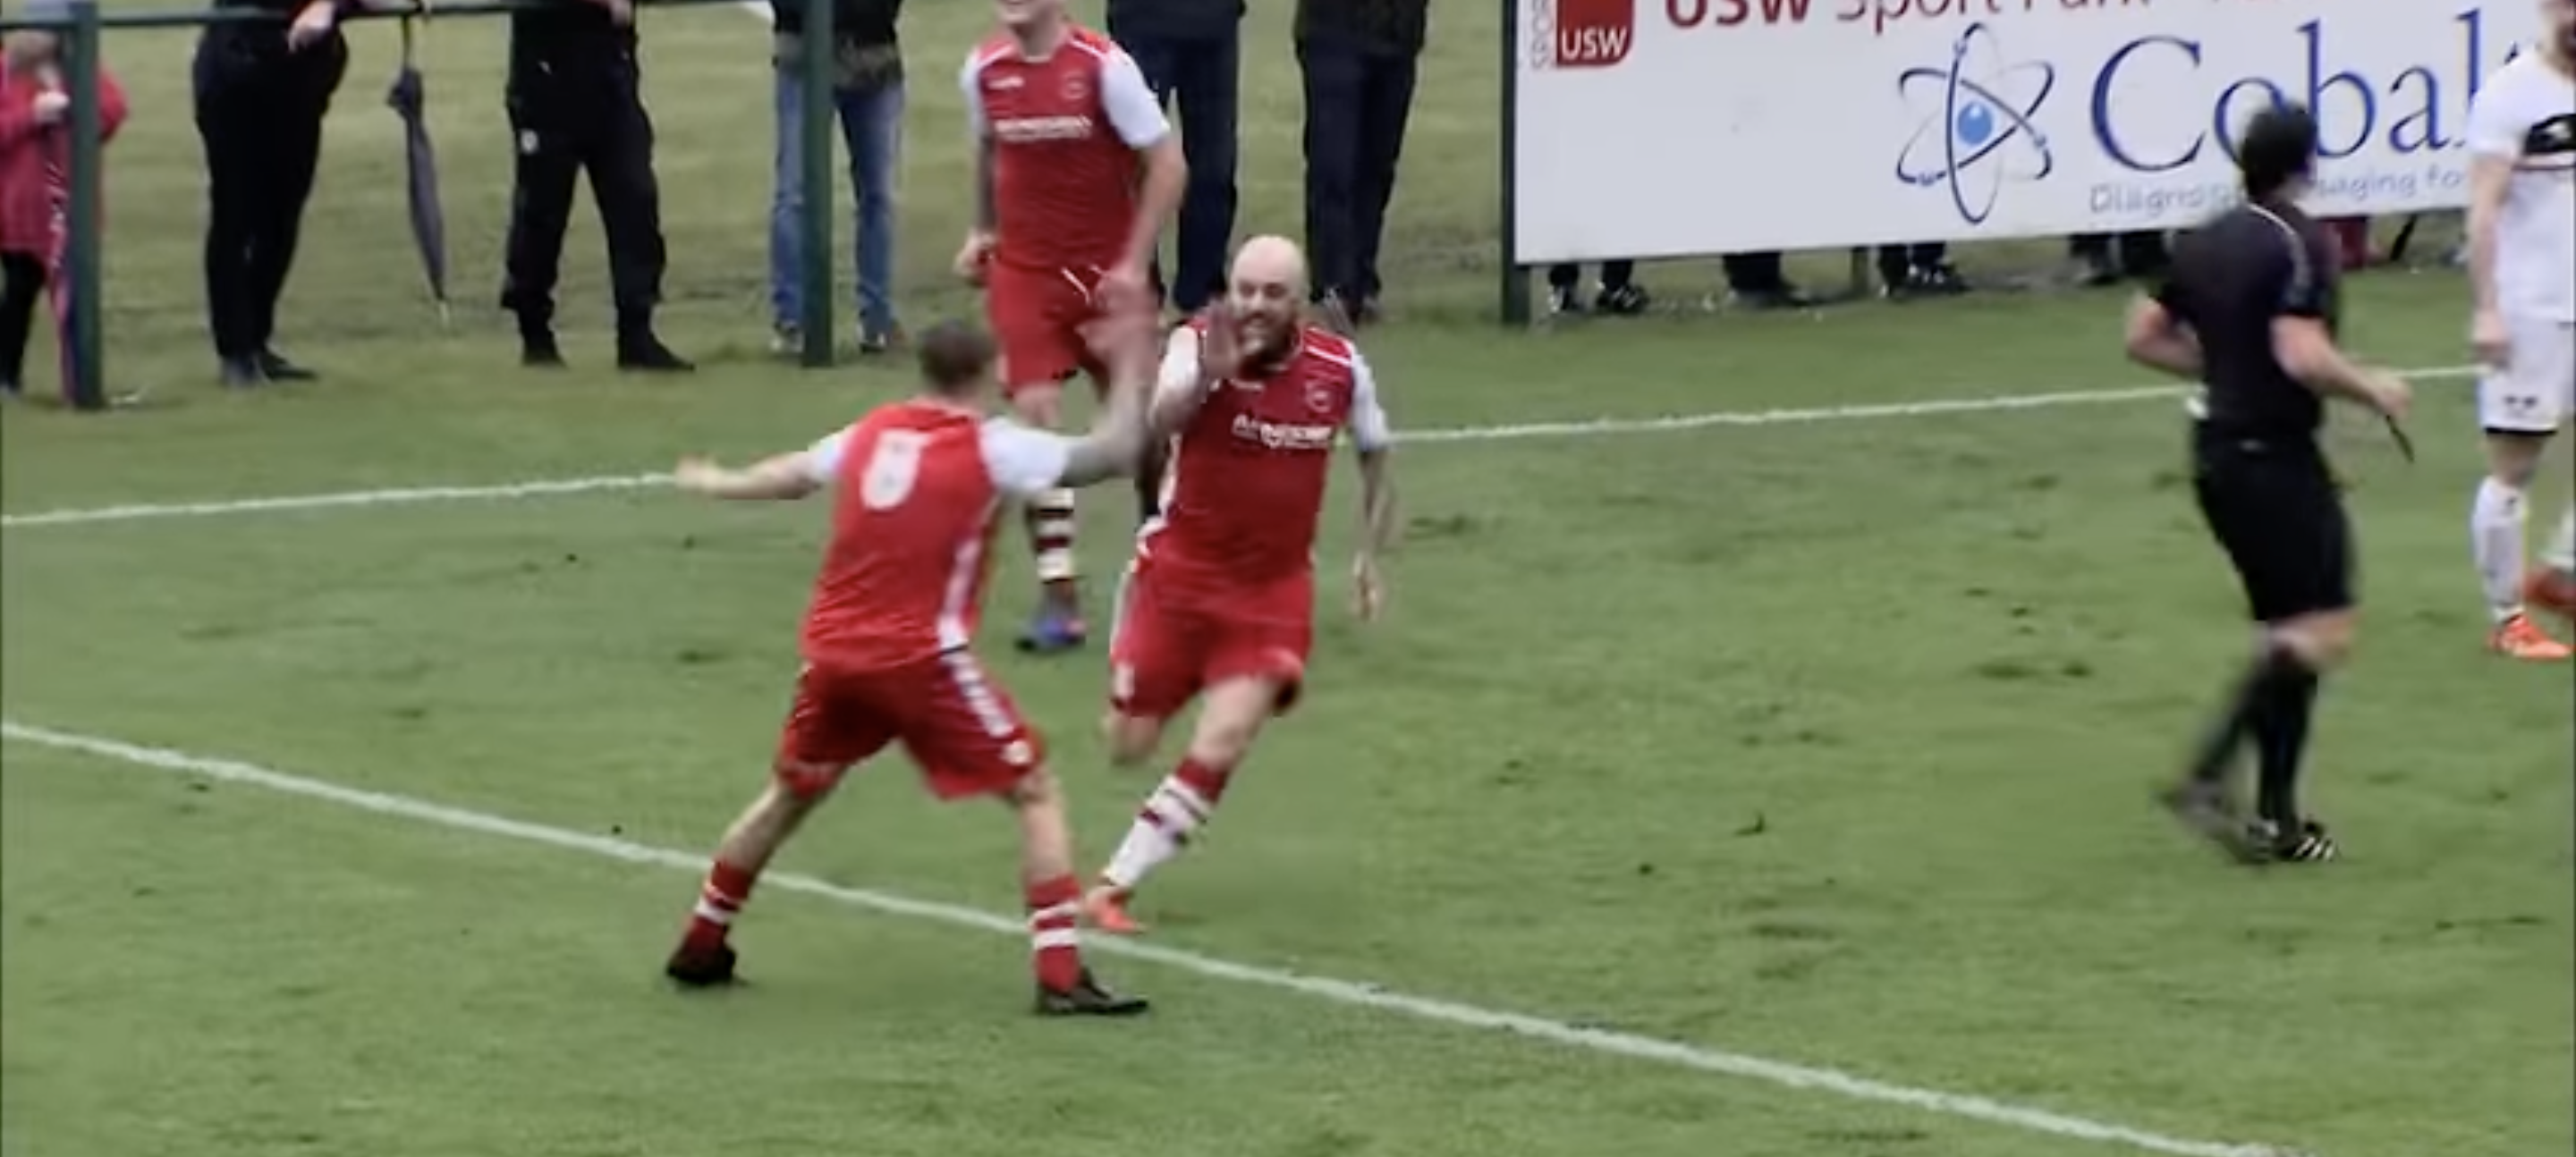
(241, 374)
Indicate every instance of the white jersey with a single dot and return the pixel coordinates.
(2526, 114)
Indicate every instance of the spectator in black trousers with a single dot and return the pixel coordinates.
(576, 105)
(1919, 270)
(1620, 294)
(1191, 52)
(1359, 58)
(261, 90)
(1756, 281)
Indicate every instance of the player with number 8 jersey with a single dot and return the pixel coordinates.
(888, 637)
(1219, 603)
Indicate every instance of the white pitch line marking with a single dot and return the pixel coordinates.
(1584, 428)
(1344, 992)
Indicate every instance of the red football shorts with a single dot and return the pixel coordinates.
(1037, 317)
(959, 726)
(1166, 650)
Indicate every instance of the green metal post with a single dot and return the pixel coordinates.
(80, 59)
(1515, 287)
(819, 72)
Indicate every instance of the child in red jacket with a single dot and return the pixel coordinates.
(35, 187)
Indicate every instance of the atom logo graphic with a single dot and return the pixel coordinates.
(1975, 109)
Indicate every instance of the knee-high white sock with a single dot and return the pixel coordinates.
(2495, 536)
(1177, 809)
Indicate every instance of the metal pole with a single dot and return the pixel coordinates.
(88, 385)
(817, 67)
(1515, 280)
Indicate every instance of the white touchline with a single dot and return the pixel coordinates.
(1585, 428)
(1346, 992)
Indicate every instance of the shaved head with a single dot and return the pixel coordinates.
(1271, 259)
(1266, 292)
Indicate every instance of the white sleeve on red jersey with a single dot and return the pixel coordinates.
(1180, 373)
(970, 80)
(823, 458)
(1369, 429)
(1133, 109)
(1024, 462)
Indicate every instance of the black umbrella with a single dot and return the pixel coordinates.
(420, 166)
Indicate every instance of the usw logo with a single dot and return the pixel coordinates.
(1580, 33)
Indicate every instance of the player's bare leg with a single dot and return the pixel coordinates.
(2497, 524)
(1064, 986)
(705, 957)
(2552, 585)
(2270, 707)
(1231, 716)
(1057, 625)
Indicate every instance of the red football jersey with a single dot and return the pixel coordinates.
(1065, 130)
(919, 487)
(1244, 490)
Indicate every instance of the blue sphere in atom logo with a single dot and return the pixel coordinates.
(1976, 123)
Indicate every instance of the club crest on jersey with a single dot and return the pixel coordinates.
(1077, 88)
(1319, 397)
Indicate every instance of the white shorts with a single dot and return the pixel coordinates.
(2536, 392)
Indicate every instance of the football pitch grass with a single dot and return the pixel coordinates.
(1756, 760)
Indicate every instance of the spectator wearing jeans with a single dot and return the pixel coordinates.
(1191, 52)
(1359, 59)
(867, 97)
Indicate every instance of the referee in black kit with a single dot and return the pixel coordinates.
(576, 105)
(261, 89)
(2249, 309)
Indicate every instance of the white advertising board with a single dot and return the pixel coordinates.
(1666, 128)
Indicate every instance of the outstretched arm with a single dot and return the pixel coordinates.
(1374, 438)
(780, 477)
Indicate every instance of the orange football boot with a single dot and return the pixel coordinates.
(1105, 908)
(2520, 638)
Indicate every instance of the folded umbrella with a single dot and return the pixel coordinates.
(420, 167)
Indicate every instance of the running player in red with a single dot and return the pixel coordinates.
(918, 487)
(1219, 604)
(1076, 173)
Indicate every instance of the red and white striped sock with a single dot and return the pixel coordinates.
(1051, 526)
(1182, 805)
(727, 889)
(1055, 908)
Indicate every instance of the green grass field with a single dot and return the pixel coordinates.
(1823, 738)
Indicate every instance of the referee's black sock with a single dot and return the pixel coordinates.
(2280, 727)
(2247, 699)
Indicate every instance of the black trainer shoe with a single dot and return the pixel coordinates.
(538, 351)
(1622, 300)
(1563, 299)
(1088, 998)
(646, 354)
(2309, 843)
(241, 374)
(274, 366)
(707, 969)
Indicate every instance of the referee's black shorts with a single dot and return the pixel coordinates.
(2274, 508)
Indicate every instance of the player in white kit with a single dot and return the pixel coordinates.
(2522, 267)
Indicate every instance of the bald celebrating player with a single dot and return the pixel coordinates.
(1062, 121)
(1219, 604)
(918, 486)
